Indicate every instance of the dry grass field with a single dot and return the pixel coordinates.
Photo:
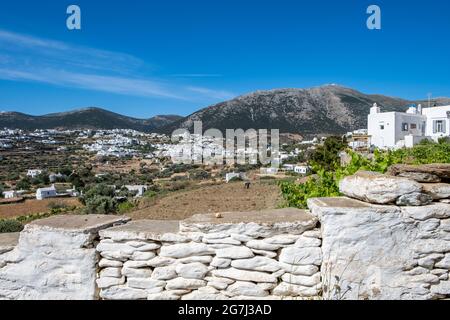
(217, 198)
(33, 206)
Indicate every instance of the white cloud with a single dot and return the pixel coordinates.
(28, 58)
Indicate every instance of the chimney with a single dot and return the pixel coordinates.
(419, 109)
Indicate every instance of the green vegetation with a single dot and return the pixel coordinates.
(8, 226)
(125, 207)
(328, 171)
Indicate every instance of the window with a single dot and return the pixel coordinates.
(405, 126)
(381, 126)
(413, 126)
(439, 126)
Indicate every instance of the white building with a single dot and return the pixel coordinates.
(45, 193)
(232, 175)
(34, 173)
(438, 122)
(140, 190)
(269, 171)
(10, 194)
(302, 169)
(390, 130)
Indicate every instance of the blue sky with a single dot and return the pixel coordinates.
(143, 58)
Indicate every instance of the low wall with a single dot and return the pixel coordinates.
(271, 254)
(340, 249)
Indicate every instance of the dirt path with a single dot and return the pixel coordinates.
(221, 198)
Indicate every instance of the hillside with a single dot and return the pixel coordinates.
(328, 110)
(89, 118)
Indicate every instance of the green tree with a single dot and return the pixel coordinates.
(101, 205)
(326, 156)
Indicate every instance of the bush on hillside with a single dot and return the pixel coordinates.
(8, 226)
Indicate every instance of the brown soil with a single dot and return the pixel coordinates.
(33, 206)
(230, 197)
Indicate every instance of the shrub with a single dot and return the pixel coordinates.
(101, 205)
(8, 226)
(125, 207)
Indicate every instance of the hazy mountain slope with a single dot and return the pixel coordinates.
(89, 118)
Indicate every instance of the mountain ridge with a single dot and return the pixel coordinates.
(328, 109)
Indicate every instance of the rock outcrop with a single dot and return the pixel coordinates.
(55, 259)
(422, 173)
(383, 252)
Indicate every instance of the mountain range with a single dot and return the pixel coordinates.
(329, 109)
(88, 118)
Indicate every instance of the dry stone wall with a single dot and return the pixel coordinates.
(257, 255)
(389, 238)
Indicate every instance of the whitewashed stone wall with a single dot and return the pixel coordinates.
(54, 258)
(384, 252)
(259, 255)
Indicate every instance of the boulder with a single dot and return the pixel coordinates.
(106, 282)
(111, 272)
(242, 288)
(192, 270)
(299, 270)
(301, 256)
(415, 199)
(123, 293)
(377, 188)
(257, 264)
(183, 250)
(220, 263)
(105, 263)
(243, 275)
(263, 245)
(235, 253)
(420, 177)
(292, 290)
(163, 296)
(164, 273)
(440, 170)
(437, 191)
(139, 283)
(181, 283)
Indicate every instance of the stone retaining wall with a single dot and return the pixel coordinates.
(257, 255)
(397, 247)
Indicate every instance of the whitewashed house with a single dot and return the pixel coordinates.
(438, 122)
(33, 173)
(232, 175)
(140, 190)
(45, 193)
(10, 194)
(391, 130)
(302, 169)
